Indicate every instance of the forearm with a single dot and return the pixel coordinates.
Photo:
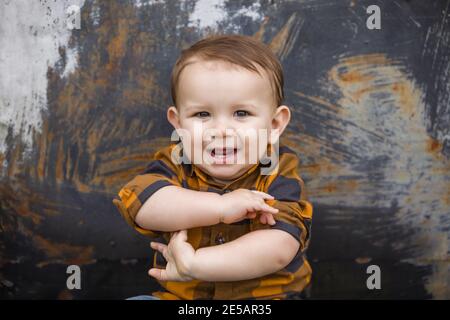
(173, 208)
(253, 255)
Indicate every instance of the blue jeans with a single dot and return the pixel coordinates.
(143, 297)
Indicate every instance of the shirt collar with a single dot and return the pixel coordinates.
(188, 169)
(207, 179)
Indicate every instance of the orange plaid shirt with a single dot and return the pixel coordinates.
(294, 217)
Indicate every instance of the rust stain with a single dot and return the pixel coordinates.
(320, 101)
(283, 42)
(341, 187)
(406, 96)
(65, 294)
(379, 95)
(117, 46)
(363, 260)
(364, 59)
(262, 29)
(434, 146)
(59, 170)
(42, 147)
(2, 159)
(62, 253)
(354, 76)
(69, 153)
(19, 203)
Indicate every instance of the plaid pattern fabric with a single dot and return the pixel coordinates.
(294, 217)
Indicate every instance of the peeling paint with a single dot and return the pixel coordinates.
(208, 14)
(31, 34)
(283, 42)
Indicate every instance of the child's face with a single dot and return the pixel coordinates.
(230, 100)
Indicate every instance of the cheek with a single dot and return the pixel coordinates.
(255, 145)
(192, 131)
(257, 132)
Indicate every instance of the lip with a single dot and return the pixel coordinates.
(219, 151)
(210, 149)
(224, 156)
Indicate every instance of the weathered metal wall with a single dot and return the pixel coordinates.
(82, 110)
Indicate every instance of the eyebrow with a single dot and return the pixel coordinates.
(188, 108)
(245, 105)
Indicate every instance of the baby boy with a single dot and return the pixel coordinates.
(226, 202)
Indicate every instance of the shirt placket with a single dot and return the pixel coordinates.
(219, 235)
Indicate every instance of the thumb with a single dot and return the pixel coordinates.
(183, 235)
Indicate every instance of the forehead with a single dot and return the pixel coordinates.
(221, 81)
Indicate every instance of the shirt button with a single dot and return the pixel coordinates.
(219, 238)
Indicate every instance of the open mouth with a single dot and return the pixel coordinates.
(222, 154)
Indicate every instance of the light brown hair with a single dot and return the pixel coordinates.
(239, 50)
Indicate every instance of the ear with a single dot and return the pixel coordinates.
(173, 117)
(280, 120)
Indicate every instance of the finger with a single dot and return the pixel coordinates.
(159, 274)
(255, 207)
(265, 208)
(163, 248)
(180, 236)
(269, 209)
(263, 218)
(158, 246)
(259, 208)
(268, 218)
(271, 219)
(251, 215)
(183, 235)
(263, 194)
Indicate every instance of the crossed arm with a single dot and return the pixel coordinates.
(253, 255)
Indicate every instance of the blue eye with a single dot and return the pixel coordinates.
(202, 114)
(242, 113)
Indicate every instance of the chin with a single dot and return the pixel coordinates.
(225, 172)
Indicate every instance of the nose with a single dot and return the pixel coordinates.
(221, 129)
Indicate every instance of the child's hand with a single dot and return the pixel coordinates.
(243, 204)
(179, 255)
